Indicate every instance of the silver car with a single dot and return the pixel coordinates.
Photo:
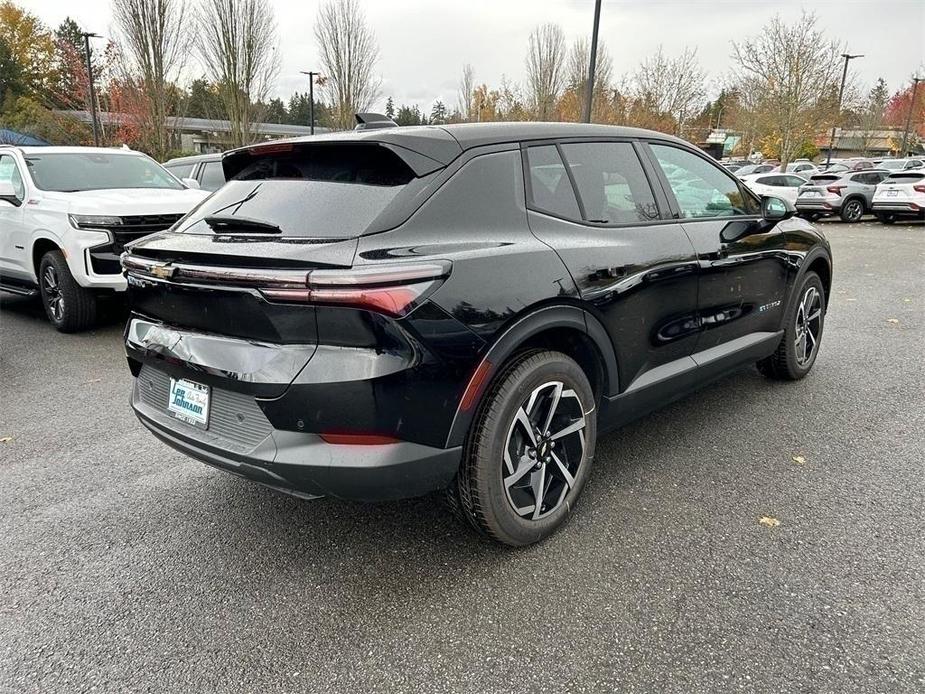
(848, 195)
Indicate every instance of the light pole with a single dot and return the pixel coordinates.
(841, 93)
(915, 88)
(96, 128)
(589, 87)
(311, 97)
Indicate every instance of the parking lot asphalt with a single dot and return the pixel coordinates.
(127, 567)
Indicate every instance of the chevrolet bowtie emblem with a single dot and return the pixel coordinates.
(163, 271)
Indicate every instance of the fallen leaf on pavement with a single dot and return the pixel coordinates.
(892, 320)
(799, 459)
(769, 521)
(6, 439)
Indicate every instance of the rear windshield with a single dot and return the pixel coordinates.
(905, 177)
(318, 191)
(73, 172)
(824, 178)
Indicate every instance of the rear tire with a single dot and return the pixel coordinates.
(69, 307)
(851, 211)
(803, 327)
(886, 218)
(529, 451)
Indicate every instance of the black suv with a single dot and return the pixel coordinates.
(384, 313)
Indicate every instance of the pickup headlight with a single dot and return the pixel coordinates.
(93, 221)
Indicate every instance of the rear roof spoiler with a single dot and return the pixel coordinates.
(372, 121)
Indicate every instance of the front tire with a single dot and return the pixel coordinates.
(69, 307)
(852, 211)
(803, 326)
(529, 451)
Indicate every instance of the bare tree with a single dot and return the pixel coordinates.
(238, 49)
(577, 75)
(466, 89)
(153, 41)
(546, 69)
(798, 73)
(669, 89)
(348, 56)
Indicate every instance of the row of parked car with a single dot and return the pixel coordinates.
(894, 190)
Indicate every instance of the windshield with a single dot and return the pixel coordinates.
(893, 165)
(75, 172)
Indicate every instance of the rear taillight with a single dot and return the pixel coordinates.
(390, 289)
(919, 189)
(835, 189)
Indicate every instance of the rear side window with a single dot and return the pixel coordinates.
(611, 182)
(180, 170)
(702, 189)
(770, 180)
(550, 187)
(317, 190)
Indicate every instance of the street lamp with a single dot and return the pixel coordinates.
(915, 88)
(96, 128)
(589, 87)
(311, 96)
(841, 92)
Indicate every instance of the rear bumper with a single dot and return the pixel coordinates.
(818, 205)
(904, 208)
(305, 465)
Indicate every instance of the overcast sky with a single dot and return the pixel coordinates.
(424, 43)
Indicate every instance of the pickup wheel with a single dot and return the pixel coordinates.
(799, 346)
(529, 452)
(69, 307)
(852, 210)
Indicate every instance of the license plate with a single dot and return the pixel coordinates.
(892, 193)
(189, 402)
(812, 194)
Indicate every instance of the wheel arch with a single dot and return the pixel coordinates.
(819, 261)
(566, 328)
(40, 246)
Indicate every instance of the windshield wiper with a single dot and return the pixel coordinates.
(233, 224)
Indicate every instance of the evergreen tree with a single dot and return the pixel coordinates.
(390, 108)
(438, 114)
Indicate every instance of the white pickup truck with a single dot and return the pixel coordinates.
(67, 212)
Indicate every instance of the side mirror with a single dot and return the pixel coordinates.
(8, 193)
(775, 210)
(191, 183)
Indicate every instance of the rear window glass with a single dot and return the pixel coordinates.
(318, 191)
(550, 186)
(180, 170)
(905, 177)
(611, 182)
(824, 178)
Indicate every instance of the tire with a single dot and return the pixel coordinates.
(69, 307)
(810, 216)
(852, 210)
(497, 493)
(793, 358)
(886, 217)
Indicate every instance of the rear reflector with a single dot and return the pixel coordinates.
(479, 377)
(340, 439)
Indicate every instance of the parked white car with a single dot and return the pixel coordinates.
(67, 212)
(901, 194)
(786, 186)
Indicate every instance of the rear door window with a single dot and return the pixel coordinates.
(180, 170)
(550, 187)
(611, 182)
(212, 177)
(702, 189)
